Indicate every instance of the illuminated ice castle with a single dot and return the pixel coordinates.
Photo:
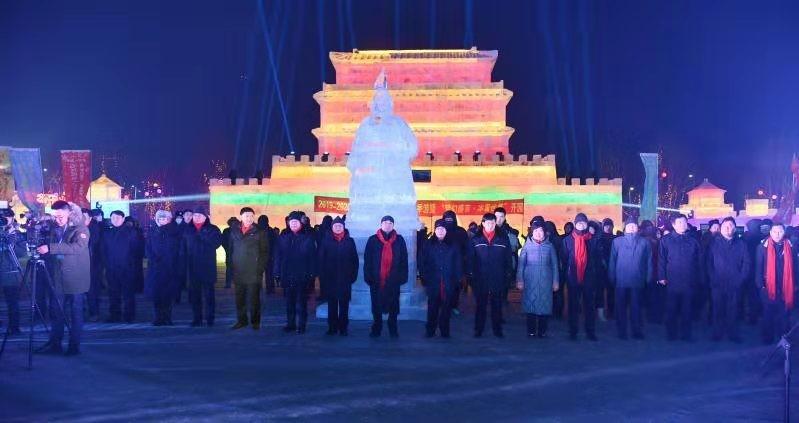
(459, 117)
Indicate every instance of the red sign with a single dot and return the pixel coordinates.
(76, 173)
(429, 208)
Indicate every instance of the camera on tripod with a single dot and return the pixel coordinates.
(37, 231)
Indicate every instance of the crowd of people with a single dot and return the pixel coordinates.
(675, 275)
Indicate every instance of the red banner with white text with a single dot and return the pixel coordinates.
(76, 174)
(429, 208)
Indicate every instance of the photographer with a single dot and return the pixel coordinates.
(68, 248)
(10, 243)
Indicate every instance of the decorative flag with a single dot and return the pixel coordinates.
(26, 166)
(76, 173)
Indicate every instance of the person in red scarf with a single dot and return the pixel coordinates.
(490, 269)
(338, 270)
(581, 255)
(775, 274)
(441, 270)
(385, 269)
(679, 270)
(295, 268)
(200, 242)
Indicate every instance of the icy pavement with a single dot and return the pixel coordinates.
(143, 373)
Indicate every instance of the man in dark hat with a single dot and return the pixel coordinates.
(338, 270)
(295, 268)
(605, 298)
(629, 270)
(94, 221)
(441, 270)
(459, 238)
(385, 269)
(200, 241)
(490, 270)
(581, 255)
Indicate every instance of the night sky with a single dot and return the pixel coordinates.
(162, 84)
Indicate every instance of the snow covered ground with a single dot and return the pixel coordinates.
(142, 373)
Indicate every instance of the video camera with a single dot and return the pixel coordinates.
(37, 231)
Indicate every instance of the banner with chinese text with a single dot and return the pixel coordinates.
(76, 174)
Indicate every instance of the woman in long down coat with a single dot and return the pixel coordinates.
(537, 277)
(162, 250)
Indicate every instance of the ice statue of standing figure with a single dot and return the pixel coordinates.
(381, 183)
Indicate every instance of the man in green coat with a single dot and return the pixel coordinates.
(69, 246)
(249, 251)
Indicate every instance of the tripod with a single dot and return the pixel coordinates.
(785, 344)
(31, 275)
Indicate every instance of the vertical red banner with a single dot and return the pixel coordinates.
(76, 174)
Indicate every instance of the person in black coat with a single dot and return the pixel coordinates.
(269, 281)
(385, 269)
(163, 260)
(231, 224)
(605, 293)
(581, 256)
(458, 237)
(680, 271)
(138, 255)
(751, 306)
(441, 267)
(295, 268)
(727, 265)
(776, 268)
(120, 245)
(338, 270)
(94, 221)
(200, 242)
(489, 268)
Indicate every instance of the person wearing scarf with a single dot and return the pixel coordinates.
(295, 267)
(338, 270)
(580, 254)
(680, 271)
(775, 272)
(199, 247)
(441, 270)
(629, 270)
(537, 276)
(490, 269)
(385, 269)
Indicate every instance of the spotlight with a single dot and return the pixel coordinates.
(476, 155)
(430, 155)
(325, 156)
(458, 153)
